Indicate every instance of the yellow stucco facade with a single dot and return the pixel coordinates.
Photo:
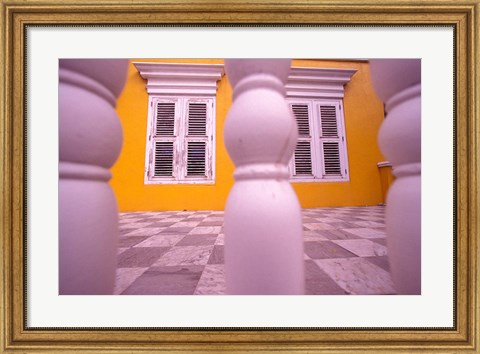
(363, 113)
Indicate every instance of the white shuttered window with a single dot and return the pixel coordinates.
(180, 140)
(321, 152)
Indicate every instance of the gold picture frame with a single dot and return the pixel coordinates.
(15, 337)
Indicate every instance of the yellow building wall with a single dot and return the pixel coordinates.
(363, 113)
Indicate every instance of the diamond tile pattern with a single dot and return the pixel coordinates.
(182, 252)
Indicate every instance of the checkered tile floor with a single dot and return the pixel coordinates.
(182, 252)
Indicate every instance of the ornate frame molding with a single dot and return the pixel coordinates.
(17, 15)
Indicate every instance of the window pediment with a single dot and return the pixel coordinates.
(318, 82)
(180, 79)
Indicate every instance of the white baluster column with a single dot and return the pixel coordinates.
(90, 142)
(263, 222)
(397, 83)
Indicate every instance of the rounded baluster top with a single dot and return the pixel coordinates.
(260, 128)
(111, 73)
(89, 130)
(237, 69)
(390, 76)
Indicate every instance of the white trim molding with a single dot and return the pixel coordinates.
(318, 82)
(181, 79)
(384, 164)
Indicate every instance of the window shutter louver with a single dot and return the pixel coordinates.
(330, 140)
(196, 156)
(197, 143)
(328, 119)
(303, 158)
(197, 119)
(163, 159)
(331, 157)
(164, 133)
(303, 150)
(300, 111)
(165, 119)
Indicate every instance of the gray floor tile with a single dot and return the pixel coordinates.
(197, 240)
(325, 249)
(317, 282)
(218, 255)
(166, 281)
(129, 241)
(381, 261)
(136, 257)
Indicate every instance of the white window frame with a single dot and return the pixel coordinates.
(318, 173)
(315, 87)
(180, 141)
(181, 83)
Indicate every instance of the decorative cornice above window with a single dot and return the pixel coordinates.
(180, 79)
(318, 82)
